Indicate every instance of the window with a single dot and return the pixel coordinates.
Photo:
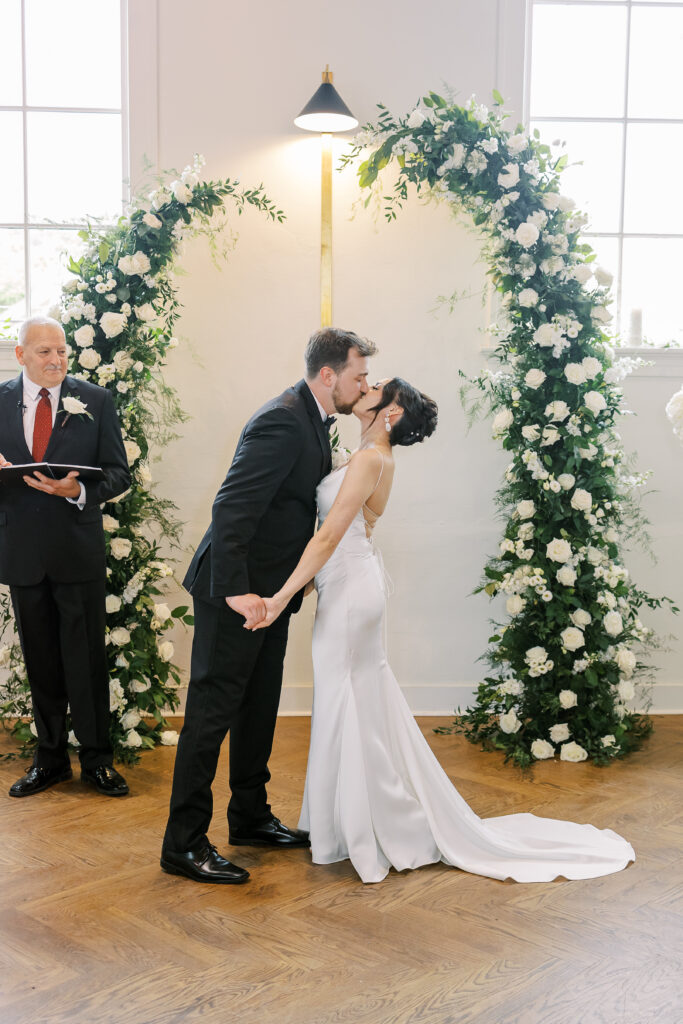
(63, 137)
(605, 78)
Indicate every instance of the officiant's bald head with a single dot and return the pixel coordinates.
(42, 350)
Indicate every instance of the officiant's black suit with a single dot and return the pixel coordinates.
(52, 555)
(262, 518)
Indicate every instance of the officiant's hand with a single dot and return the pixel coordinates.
(251, 606)
(3, 461)
(274, 607)
(68, 487)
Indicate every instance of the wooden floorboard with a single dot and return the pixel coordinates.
(93, 932)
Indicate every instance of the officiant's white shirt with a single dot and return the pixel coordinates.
(29, 407)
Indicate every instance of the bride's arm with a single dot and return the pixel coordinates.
(358, 485)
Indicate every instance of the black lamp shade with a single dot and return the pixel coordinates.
(326, 112)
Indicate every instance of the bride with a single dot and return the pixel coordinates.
(375, 793)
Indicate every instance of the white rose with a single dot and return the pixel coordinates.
(416, 119)
(165, 649)
(516, 143)
(626, 660)
(592, 366)
(511, 686)
(130, 719)
(568, 698)
(89, 358)
(527, 235)
(536, 654)
(147, 313)
(122, 361)
(132, 739)
(613, 623)
(534, 378)
(145, 475)
(112, 324)
(572, 638)
(581, 618)
(594, 401)
(550, 200)
(112, 604)
(541, 749)
(74, 406)
(594, 555)
(514, 604)
(626, 690)
(609, 740)
(575, 373)
(180, 191)
(162, 612)
(509, 176)
(582, 272)
(509, 722)
(120, 547)
(84, 336)
(557, 411)
(582, 500)
(526, 510)
(603, 277)
(601, 315)
(169, 738)
(139, 686)
(501, 421)
(532, 432)
(566, 575)
(527, 297)
(572, 752)
(120, 636)
(566, 481)
(109, 523)
(550, 436)
(558, 550)
(151, 221)
(558, 733)
(545, 336)
(132, 451)
(565, 204)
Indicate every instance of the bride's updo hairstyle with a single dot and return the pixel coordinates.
(420, 413)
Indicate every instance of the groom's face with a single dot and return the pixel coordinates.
(351, 383)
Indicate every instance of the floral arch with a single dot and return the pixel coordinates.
(564, 666)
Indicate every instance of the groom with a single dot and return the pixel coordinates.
(263, 517)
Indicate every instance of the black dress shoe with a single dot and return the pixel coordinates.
(204, 864)
(270, 833)
(37, 779)
(105, 779)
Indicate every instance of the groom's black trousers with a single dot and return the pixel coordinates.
(235, 683)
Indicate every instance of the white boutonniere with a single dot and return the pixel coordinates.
(72, 406)
(340, 455)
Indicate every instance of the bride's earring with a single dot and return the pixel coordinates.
(387, 424)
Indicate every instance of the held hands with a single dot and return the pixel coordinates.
(251, 606)
(274, 607)
(68, 487)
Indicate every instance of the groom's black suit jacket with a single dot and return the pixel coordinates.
(264, 513)
(45, 535)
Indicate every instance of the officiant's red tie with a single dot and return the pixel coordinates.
(42, 428)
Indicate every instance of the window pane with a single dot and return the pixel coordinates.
(73, 53)
(651, 282)
(11, 169)
(49, 251)
(10, 53)
(655, 63)
(654, 156)
(569, 41)
(593, 177)
(12, 284)
(74, 166)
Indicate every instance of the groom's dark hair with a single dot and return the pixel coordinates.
(330, 347)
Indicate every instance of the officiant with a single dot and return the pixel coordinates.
(52, 553)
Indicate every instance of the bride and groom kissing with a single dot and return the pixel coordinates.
(374, 792)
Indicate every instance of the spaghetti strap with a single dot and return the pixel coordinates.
(365, 507)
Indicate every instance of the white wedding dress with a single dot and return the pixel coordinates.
(375, 793)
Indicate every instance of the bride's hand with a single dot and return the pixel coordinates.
(274, 607)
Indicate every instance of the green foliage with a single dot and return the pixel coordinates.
(565, 661)
(119, 312)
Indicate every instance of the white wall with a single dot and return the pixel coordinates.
(227, 83)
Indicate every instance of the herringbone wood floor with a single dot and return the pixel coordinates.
(92, 931)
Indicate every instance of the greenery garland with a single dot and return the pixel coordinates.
(564, 665)
(118, 312)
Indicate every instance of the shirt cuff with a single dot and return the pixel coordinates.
(80, 500)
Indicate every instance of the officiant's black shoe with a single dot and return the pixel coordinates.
(37, 779)
(105, 779)
(270, 833)
(204, 864)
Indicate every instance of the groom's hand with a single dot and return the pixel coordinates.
(251, 606)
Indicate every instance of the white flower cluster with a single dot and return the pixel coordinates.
(538, 661)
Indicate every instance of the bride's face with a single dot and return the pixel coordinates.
(364, 407)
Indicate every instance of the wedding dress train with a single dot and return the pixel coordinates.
(375, 793)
